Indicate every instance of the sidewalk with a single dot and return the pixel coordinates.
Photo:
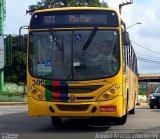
(142, 104)
(13, 103)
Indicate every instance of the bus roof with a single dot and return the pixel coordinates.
(77, 8)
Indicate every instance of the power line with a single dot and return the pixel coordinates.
(152, 60)
(148, 58)
(149, 61)
(157, 63)
(145, 47)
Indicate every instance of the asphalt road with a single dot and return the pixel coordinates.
(15, 124)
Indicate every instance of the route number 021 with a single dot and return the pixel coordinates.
(49, 19)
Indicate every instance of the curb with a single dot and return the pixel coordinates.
(142, 104)
(13, 103)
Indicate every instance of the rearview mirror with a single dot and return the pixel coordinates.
(20, 45)
(126, 40)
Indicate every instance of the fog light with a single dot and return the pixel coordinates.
(34, 91)
(94, 109)
(51, 109)
(112, 91)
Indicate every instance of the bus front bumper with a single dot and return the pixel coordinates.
(111, 108)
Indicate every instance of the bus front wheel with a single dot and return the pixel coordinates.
(120, 120)
(132, 111)
(56, 121)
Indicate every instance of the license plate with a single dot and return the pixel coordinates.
(107, 108)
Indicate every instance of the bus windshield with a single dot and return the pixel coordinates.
(74, 54)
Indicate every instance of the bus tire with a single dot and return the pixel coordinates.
(151, 106)
(132, 111)
(56, 121)
(120, 120)
(158, 106)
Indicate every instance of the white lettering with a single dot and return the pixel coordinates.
(49, 19)
(79, 19)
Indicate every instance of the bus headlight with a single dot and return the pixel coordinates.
(41, 97)
(112, 91)
(38, 95)
(34, 91)
(107, 95)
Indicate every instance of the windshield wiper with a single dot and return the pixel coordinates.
(58, 43)
(54, 37)
(90, 38)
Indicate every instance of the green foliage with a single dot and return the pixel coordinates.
(142, 91)
(13, 93)
(44, 4)
(16, 72)
(13, 89)
(12, 98)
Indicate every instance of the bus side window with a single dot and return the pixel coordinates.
(124, 58)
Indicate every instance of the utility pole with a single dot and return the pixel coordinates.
(2, 18)
(123, 4)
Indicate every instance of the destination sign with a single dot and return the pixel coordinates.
(74, 19)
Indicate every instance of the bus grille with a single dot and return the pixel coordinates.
(73, 89)
(60, 91)
(73, 107)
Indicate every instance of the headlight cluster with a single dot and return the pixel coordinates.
(36, 94)
(110, 93)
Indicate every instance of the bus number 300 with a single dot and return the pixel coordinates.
(38, 82)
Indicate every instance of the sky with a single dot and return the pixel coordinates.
(145, 37)
(16, 15)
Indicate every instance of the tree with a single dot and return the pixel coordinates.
(16, 72)
(43, 4)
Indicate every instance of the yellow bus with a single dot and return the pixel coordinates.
(80, 64)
